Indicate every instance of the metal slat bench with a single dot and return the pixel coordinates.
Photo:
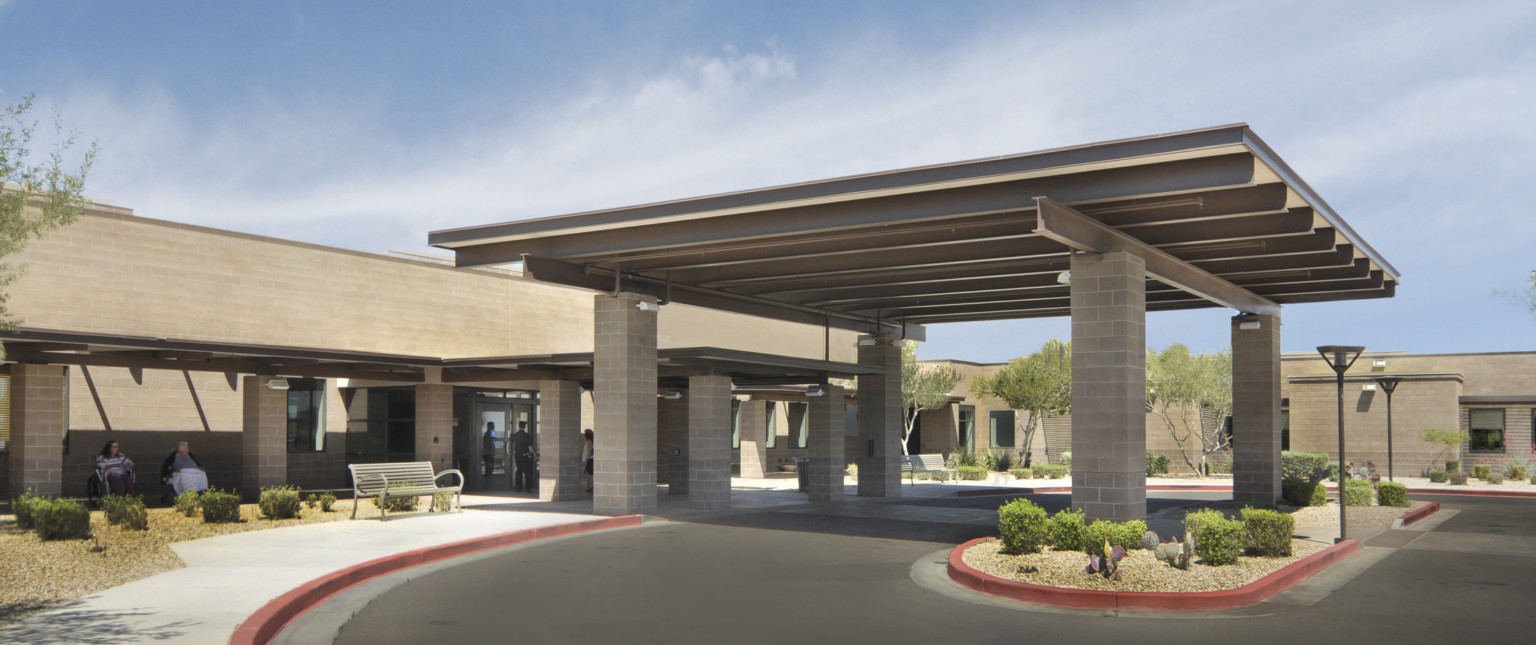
(914, 464)
(401, 479)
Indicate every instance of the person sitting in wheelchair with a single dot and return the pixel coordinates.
(116, 469)
(183, 472)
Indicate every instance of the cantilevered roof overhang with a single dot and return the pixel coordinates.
(1227, 221)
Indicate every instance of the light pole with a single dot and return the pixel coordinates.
(1340, 358)
(1388, 384)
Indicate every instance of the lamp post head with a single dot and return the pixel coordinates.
(1340, 357)
(1388, 383)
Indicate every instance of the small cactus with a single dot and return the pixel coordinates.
(1108, 566)
(1149, 540)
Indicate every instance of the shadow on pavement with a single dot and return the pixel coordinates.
(90, 628)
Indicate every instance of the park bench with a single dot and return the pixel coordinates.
(914, 464)
(400, 479)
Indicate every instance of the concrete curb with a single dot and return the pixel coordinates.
(1253, 593)
(261, 626)
(1417, 514)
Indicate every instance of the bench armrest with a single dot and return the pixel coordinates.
(453, 471)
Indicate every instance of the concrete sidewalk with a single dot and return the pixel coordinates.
(229, 577)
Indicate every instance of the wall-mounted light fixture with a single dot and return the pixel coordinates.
(671, 396)
(1250, 325)
(1379, 364)
(1368, 387)
(815, 391)
(277, 384)
(1065, 277)
(646, 306)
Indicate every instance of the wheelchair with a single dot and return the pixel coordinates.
(96, 486)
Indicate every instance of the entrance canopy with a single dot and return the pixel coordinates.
(1219, 217)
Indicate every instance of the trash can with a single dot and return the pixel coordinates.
(803, 468)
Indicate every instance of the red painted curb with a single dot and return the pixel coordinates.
(1420, 513)
(261, 626)
(988, 492)
(1253, 593)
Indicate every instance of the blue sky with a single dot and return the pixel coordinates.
(365, 125)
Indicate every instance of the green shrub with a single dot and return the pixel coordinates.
(1494, 478)
(125, 510)
(62, 519)
(1157, 464)
(1051, 471)
(400, 504)
(1022, 526)
(1392, 494)
(1068, 530)
(962, 458)
(987, 460)
(1023, 473)
(1453, 465)
(852, 470)
(1533, 480)
(326, 502)
(1303, 492)
(1220, 540)
(1357, 492)
(1219, 463)
(279, 502)
(1194, 519)
(219, 506)
(1437, 476)
(1481, 471)
(1302, 465)
(312, 501)
(1126, 535)
(1333, 471)
(1065, 459)
(999, 460)
(1458, 479)
(1517, 472)
(1269, 532)
(186, 503)
(971, 473)
(444, 501)
(135, 516)
(25, 508)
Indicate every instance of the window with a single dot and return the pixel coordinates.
(773, 434)
(967, 428)
(1487, 428)
(799, 421)
(390, 427)
(1285, 429)
(850, 420)
(1001, 428)
(735, 424)
(306, 415)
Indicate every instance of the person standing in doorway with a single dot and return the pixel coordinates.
(586, 456)
(526, 456)
(488, 448)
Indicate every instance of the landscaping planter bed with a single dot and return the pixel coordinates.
(1141, 571)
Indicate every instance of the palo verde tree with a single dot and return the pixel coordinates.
(36, 196)
(1192, 395)
(923, 387)
(1037, 384)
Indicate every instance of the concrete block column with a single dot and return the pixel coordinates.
(709, 442)
(263, 436)
(672, 440)
(434, 425)
(37, 429)
(624, 473)
(560, 441)
(754, 439)
(1109, 381)
(1256, 410)
(825, 427)
(880, 423)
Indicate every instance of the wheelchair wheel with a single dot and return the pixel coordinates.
(94, 490)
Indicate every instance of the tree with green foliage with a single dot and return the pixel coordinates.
(923, 387)
(36, 196)
(1448, 440)
(1037, 384)
(1192, 395)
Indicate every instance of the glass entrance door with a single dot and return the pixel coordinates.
(492, 461)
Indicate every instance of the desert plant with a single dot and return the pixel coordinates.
(186, 503)
(1149, 540)
(25, 507)
(400, 504)
(1219, 540)
(1023, 473)
(1219, 463)
(1269, 532)
(125, 510)
(61, 519)
(1453, 465)
(1065, 460)
(279, 502)
(1303, 465)
(1392, 494)
(1107, 565)
(136, 517)
(1517, 469)
(1458, 479)
(1157, 464)
(1050, 471)
(1022, 526)
(1448, 440)
(1194, 519)
(1437, 476)
(1177, 554)
(971, 473)
(1494, 478)
(962, 458)
(1357, 492)
(1481, 471)
(1302, 492)
(219, 506)
(1533, 480)
(312, 501)
(1001, 460)
(852, 470)
(443, 502)
(1126, 535)
(1068, 530)
(326, 502)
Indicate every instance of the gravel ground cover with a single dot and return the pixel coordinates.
(1360, 517)
(1140, 570)
(35, 575)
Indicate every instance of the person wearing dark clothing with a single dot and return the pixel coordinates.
(488, 448)
(586, 455)
(526, 456)
(183, 471)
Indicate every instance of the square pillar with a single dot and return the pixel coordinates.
(1256, 410)
(624, 385)
(825, 427)
(672, 437)
(879, 417)
(434, 425)
(754, 439)
(709, 442)
(37, 429)
(263, 436)
(560, 441)
(1109, 383)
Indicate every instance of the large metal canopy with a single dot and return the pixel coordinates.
(1220, 218)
